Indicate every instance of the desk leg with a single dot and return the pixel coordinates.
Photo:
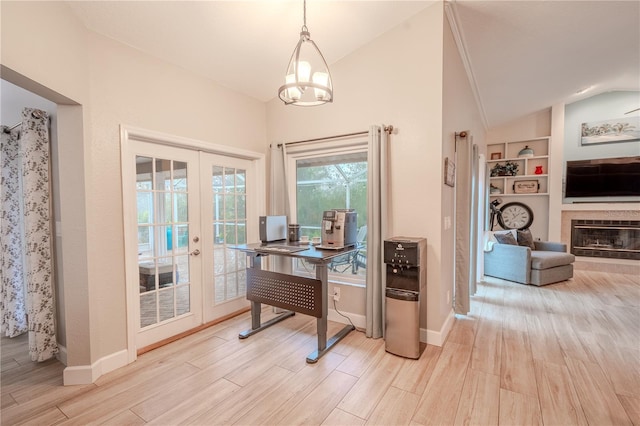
(256, 309)
(323, 344)
(322, 274)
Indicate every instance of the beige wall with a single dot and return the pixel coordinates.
(535, 125)
(114, 85)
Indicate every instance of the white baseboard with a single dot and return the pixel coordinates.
(430, 337)
(359, 321)
(86, 374)
(437, 338)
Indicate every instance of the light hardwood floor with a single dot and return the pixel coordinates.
(562, 354)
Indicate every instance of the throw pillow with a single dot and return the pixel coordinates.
(526, 239)
(506, 238)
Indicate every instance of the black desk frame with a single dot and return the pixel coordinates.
(296, 294)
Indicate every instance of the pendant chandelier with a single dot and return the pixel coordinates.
(308, 81)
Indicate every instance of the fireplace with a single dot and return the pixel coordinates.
(616, 239)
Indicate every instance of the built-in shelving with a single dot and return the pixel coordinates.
(500, 153)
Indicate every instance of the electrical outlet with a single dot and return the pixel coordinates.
(336, 294)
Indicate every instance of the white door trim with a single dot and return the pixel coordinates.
(127, 163)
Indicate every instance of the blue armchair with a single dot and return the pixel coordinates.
(548, 263)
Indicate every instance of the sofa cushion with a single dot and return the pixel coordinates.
(526, 239)
(550, 259)
(506, 238)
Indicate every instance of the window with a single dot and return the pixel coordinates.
(329, 180)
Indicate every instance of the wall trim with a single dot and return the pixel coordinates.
(437, 338)
(87, 374)
(458, 36)
(128, 133)
(430, 337)
(358, 320)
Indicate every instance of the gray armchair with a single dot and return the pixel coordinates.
(548, 263)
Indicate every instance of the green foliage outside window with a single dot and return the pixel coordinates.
(331, 186)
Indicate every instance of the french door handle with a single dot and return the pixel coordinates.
(194, 253)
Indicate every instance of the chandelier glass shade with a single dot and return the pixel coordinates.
(308, 81)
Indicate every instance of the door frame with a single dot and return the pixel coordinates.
(127, 163)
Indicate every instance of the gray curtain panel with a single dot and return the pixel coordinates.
(377, 205)
(467, 202)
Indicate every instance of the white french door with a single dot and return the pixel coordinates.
(167, 192)
(226, 205)
(189, 208)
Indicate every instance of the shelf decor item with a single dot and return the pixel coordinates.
(526, 186)
(525, 152)
(496, 155)
(538, 170)
(509, 168)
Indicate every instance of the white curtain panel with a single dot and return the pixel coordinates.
(377, 204)
(36, 257)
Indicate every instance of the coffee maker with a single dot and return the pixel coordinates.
(339, 228)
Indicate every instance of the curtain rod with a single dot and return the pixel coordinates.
(387, 129)
(9, 129)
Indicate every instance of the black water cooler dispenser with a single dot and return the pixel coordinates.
(406, 266)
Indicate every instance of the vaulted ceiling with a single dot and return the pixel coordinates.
(523, 56)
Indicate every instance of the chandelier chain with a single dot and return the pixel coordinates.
(304, 15)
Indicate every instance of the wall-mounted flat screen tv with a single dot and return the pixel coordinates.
(605, 177)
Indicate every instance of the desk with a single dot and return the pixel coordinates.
(296, 294)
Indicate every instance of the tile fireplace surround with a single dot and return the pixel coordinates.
(599, 264)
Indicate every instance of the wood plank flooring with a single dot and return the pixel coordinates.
(562, 354)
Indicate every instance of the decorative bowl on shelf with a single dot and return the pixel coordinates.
(526, 152)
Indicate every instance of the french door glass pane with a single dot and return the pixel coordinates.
(228, 186)
(163, 239)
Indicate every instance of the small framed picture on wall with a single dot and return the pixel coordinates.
(496, 155)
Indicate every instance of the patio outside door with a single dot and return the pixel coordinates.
(190, 207)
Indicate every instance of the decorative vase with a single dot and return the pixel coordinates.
(538, 170)
(526, 152)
